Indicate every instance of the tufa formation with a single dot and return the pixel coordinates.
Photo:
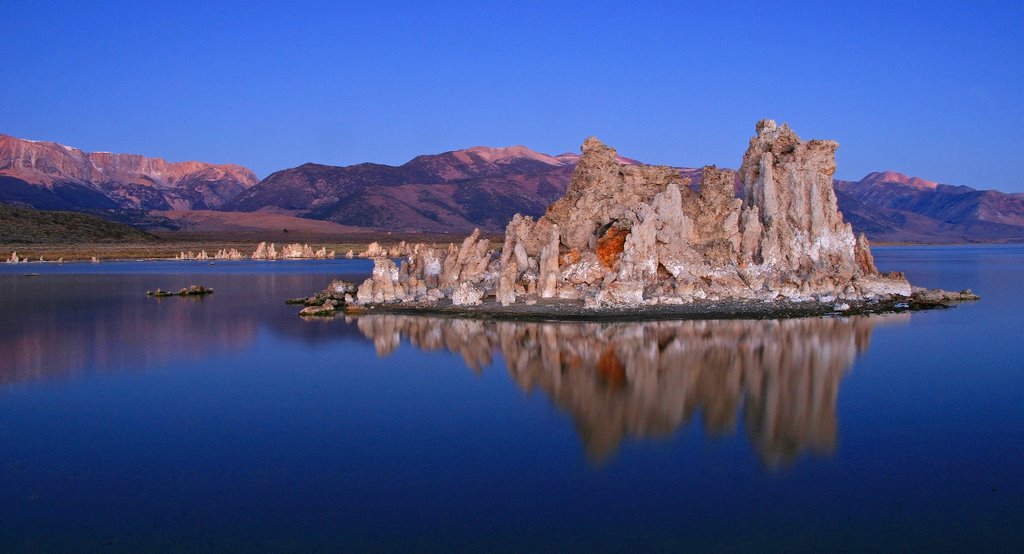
(638, 235)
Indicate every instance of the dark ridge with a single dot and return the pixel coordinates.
(28, 226)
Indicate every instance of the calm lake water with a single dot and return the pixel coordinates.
(132, 423)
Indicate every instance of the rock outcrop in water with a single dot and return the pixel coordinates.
(192, 290)
(326, 302)
(638, 235)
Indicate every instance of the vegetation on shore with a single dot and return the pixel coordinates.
(28, 226)
(75, 236)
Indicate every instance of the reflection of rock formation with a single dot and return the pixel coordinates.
(649, 379)
(80, 335)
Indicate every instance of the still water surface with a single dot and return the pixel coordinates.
(227, 422)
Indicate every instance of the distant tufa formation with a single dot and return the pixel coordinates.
(631, 235)
(14, 258)
(263, 252)
(375, 250)
(290, 252)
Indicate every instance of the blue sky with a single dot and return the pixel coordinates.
(934, 89)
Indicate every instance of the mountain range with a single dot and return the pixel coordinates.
(893, 207)
(449, 192)
(51, 176)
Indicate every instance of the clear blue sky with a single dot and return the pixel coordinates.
(933, 89)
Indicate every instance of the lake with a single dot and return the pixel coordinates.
(228, 422)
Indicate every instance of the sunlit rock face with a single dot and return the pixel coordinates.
(63, 177)
(648, 380)
(633, 235)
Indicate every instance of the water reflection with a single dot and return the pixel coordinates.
(117, 337)
(56, 327)
(778, 381)
(650, 379)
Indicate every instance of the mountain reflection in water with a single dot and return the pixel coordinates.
(649, 379)
(59, 326)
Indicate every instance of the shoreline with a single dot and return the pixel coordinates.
(573, 310)
(168, 248)
(138, 251)
(565, 310)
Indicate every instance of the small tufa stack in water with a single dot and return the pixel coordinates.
(193, 290)
(327, 302)
(430, 274)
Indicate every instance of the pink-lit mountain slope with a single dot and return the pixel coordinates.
(51, 176)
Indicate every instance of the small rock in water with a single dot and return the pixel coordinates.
(927, 298)
(326, 302)
(194, 290)
(324, 310)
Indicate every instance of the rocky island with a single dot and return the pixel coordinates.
(193, 290)
(638, 239)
